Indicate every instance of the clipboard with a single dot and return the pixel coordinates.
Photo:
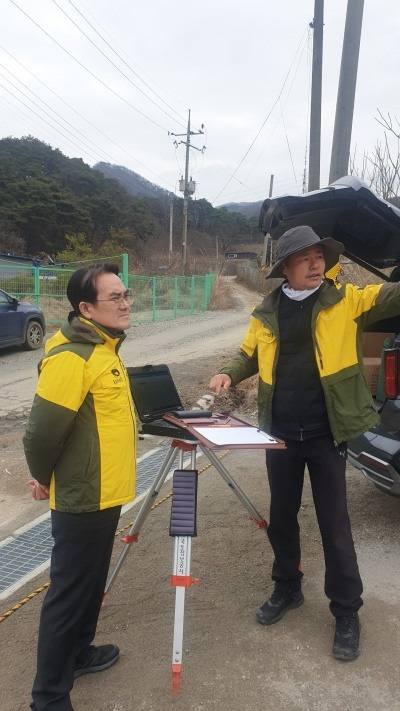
(226, 432)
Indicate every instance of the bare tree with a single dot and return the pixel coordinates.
(10, 239)
(381, 169)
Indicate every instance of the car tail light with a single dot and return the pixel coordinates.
(392, 372)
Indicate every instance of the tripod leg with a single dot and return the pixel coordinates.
(254, 515)
(151, 495)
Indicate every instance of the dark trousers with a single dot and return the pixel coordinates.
(326, 464)
(79, 566)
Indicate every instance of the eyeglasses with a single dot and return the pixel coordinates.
(120, 298)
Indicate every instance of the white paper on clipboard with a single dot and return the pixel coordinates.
(221, 435)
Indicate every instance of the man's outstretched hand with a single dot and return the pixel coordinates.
(219, 382)
(39, 491)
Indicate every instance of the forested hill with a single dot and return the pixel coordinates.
(249, 209)
(133, 183)
(46, 196)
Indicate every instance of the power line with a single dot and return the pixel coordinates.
(88, 70)
(215, 163)
(130, 179)
(264, 122)
(44, 120)
(102, 152)
(130, 58)
(282, 185)
(122, 60)
(16, 108)
(45, 112)
(284, 106)
(113, 64)
(66, 140)
(115, 93)
(290, 152)
(86, 120)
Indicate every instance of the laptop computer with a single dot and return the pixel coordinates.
(154, 394)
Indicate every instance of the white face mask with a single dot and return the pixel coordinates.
(297, 294)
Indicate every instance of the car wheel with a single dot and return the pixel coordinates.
(33, 335)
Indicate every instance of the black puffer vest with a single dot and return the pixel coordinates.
(298, 407)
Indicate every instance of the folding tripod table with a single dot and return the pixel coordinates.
(183, 521)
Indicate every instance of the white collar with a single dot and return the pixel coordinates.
(298, 294)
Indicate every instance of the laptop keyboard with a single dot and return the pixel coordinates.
(163, 423)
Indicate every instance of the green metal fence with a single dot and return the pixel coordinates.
(161, 298)
(157, 298)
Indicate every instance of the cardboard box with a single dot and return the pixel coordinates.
(371, 368)
(372, 344)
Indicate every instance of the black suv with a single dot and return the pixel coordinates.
(20, 323)
(369, 228)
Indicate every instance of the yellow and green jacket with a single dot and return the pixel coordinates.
(81, 433)
(339, 316)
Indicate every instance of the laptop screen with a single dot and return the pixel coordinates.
(153, 391)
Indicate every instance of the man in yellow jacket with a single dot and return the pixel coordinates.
(80, 447)
(304, 340)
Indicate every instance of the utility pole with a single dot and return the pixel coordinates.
(346, 91)
(271, 185)
(185, 186)
(171, 222)
(314, 155)
(267, 238)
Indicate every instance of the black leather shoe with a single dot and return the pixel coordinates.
(96, 659)
(278, 604)
(346, 644)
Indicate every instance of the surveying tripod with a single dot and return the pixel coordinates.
(182, 528)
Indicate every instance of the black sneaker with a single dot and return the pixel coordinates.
(346, 645)
(96, 659)
(278, 604)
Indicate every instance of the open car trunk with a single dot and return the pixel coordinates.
(348, 211)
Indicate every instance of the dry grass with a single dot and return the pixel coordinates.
(247, 394)
(222, 297)
(242, 398)
(351, 273)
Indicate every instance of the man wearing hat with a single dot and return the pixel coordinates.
(304, 340)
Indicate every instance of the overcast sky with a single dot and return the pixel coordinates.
(229, 61)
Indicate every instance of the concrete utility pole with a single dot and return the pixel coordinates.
(271, 185)
(185, 186)
(267, 238)
(314, 156)
(346, 92)
(171, 223)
